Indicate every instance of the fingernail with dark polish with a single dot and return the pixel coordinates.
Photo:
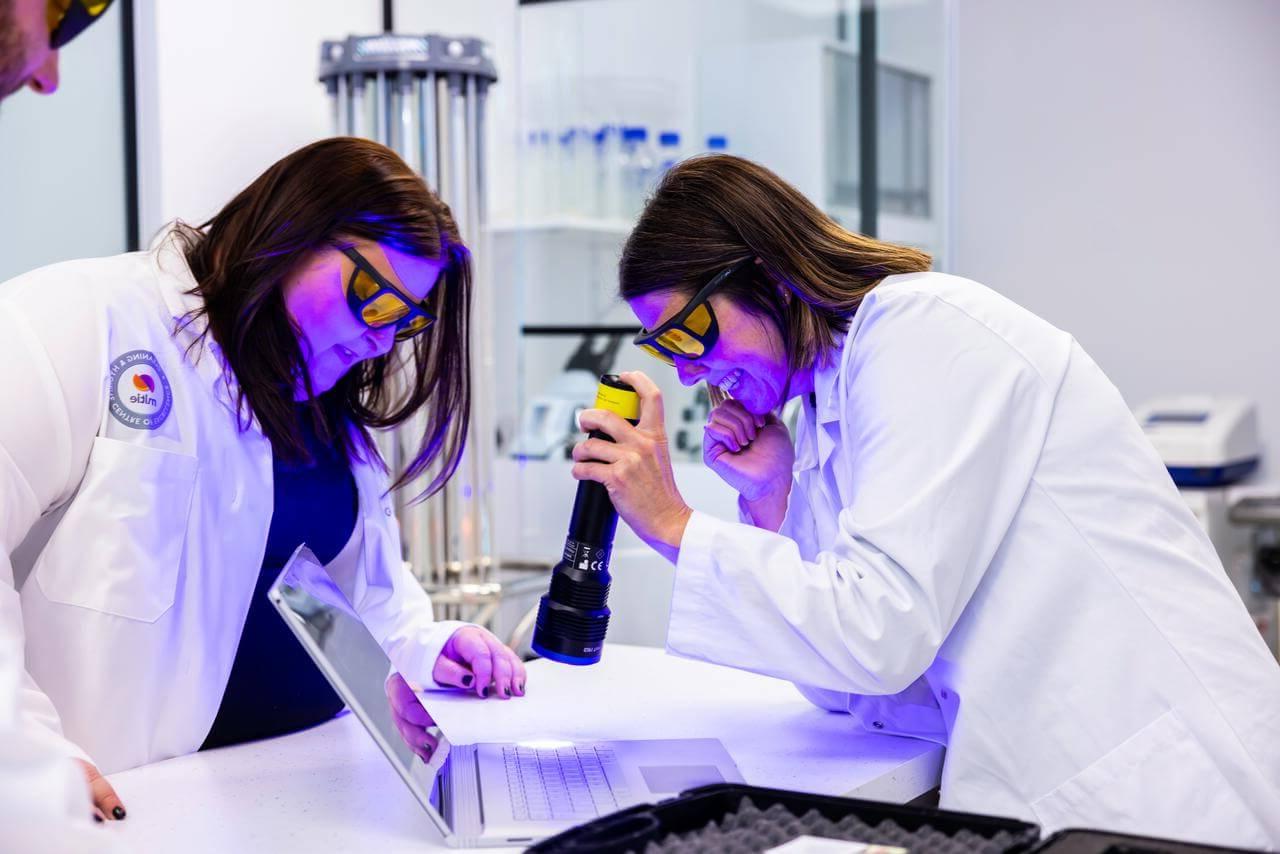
(484, 692)
(467, 680)
(118, 812)
(97, 818)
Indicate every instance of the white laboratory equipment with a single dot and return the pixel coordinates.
(1210, 446)
(1204, 441)
(549, 427)
(608, 172)
(1255, 569)
(550, 419)
(566, 168)
(668, 153)
(637, 169)
(425, 96)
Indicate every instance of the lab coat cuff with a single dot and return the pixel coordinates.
(441, 632)
(51, 742)
(693, 603)
(43, 784)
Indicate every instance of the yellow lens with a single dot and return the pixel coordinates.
(413, 327)
(364, 285)
(384, 310)
(54, 12)
(657, 354)
(681, 342)
(699, 320)
(96, 8)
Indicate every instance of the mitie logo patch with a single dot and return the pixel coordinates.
(140, 393)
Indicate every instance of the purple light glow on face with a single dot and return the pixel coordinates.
(332, 338)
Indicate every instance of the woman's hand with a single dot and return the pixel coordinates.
(635, 468)
(410, 718)
(106, 803)
(751, 453)
(476, 660)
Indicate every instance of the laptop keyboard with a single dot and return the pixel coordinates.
(568, 783)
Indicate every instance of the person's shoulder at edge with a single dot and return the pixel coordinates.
(946, 298)
(82, 277)
(956, 290)
(85, 290)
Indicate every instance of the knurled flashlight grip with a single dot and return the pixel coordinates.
(573, 616)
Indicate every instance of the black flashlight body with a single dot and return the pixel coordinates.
(573, 615)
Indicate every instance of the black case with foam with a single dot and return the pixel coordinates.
(1105, 842)
(632, 829)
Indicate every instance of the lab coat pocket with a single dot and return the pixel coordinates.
(1160, 781)
(118, 548)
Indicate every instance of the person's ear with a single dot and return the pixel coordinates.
(783, 290)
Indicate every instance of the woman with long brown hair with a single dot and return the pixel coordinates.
(176, 423)
(970, 541)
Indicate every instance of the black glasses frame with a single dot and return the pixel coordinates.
(67, 23)
(357, 304)
(648, 338)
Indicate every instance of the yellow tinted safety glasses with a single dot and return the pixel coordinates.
(690, 332)
(378, 303)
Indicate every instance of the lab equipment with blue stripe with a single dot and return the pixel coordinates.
(1204, 441)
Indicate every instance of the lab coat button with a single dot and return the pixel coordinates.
(386, 510)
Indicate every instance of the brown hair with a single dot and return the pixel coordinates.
(323, 195)
(714, 211)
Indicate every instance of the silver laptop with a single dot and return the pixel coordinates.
(484, 794)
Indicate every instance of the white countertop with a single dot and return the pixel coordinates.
(329, 789)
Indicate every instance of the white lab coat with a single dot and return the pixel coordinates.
(134, 607)
(981, 548)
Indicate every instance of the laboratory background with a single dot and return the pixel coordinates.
(1112, 167)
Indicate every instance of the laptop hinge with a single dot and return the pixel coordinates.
(466, 811)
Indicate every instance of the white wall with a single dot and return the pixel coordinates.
(226, 89)
(1118, 173)
(62, 174)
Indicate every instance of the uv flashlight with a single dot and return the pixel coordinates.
(573, 615)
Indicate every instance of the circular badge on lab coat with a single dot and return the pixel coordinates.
(140, 393)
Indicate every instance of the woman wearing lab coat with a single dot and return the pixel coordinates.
(176, 422)
(970, 540)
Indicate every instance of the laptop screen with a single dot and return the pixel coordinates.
(318, 612)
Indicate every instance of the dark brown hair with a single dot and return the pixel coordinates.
(711, 212)
(323, 195)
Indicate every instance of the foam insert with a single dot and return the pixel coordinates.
(750, 830)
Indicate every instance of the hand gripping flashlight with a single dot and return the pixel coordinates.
(574, 614)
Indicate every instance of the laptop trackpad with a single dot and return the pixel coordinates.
(667, 779)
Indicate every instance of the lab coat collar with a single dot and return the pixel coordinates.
(826, 378)
(177, 286)
(815, 444)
